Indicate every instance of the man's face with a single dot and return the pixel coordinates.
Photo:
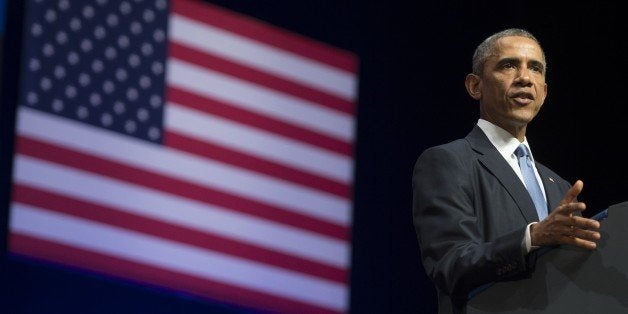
(513, 86)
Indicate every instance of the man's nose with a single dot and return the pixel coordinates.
(523, 76)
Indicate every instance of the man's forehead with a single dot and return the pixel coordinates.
(517, 47)
(510, 42)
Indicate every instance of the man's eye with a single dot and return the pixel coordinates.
(537, 69)
(508, 66)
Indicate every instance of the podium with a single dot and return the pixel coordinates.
(569, 279)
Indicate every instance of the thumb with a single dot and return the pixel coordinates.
(573, 192)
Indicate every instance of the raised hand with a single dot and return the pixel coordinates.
(565, 224)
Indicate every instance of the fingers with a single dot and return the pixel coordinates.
(572, 230)
(583, 233)
(582, 243)
(585, 239)
(576, 231)
(562, 227)
(584, 223)
(573, 192)
(567, 209)
(580, 227)
(588, 235)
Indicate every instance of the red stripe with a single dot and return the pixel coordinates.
(208, 150)
(218, 108)
(147, 274)
(266, 33)
(205, 240)
(38, 149)
(213, 62)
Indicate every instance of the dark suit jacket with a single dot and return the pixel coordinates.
(470, 213)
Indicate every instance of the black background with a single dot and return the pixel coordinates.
(413, 59)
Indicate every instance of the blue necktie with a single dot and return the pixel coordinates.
(525, 163)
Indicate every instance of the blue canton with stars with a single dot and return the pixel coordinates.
(101, 62)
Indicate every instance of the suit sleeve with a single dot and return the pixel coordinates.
(455, 251)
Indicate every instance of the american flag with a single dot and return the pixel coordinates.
(183, 145)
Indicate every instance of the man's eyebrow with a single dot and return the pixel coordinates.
(515, 60)
(537, 63)
(508, 60)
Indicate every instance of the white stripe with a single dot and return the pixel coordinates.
(259, 99)
(177, 210)
(177, 257)
(264, 57)
(187, 167)
(266, 145)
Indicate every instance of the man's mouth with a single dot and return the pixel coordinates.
(523, 98)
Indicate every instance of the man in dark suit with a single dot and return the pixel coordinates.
(475, 220)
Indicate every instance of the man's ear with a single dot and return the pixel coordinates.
(472, 82)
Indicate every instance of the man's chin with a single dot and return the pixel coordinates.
(525, 115)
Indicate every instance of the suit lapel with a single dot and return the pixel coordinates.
(552, 191)
(495, 164)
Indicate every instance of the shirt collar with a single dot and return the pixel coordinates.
(505, 143)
